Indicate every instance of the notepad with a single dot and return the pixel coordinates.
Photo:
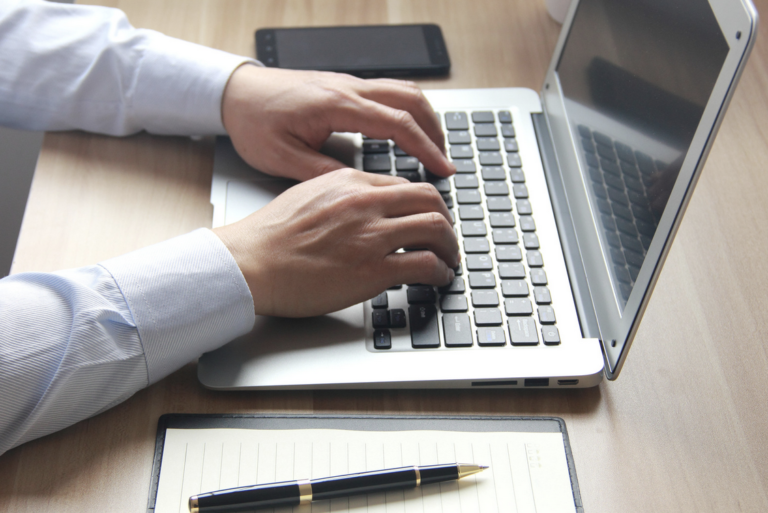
(528, 471)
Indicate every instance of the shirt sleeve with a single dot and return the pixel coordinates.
(68, 67)
(77, 342)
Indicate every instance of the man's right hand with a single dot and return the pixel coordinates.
(331, 242)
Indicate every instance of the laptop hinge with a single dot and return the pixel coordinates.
(565, 228)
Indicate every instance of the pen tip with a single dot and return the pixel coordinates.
(483, 467)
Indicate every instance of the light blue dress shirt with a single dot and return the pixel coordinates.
(77, 342)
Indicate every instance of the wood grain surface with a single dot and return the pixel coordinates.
(685, 427)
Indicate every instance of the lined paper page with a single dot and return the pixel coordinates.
(528, 471)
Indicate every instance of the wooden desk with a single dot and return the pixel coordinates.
(683, 429)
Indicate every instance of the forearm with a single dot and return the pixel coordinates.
(70, 67)
(77, 342)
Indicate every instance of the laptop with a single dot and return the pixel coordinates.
(565, 205)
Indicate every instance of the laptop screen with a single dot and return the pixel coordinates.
(636, 76)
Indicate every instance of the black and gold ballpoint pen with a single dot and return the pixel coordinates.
(293, 493)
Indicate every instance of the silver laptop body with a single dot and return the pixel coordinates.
(598, 170)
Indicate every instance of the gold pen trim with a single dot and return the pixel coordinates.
(418, 475)
(193, 505)
(305, 491)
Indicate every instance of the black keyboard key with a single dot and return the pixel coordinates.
(613, 239)
(633, 272)
(592, 160)
(514, 288)
(629, 170)
(456, 121)
(510, 146)
(468, 197)
(485, 130)
(465, 166)
(502, 220)
(626, 227)
(493, 173)
(550, 336)
(442, 185)
(538, 276)
(522, 332)
(633, 258)
(382, 339)
(518, 306)
(484, 116)
(634, 184)
(511, 270)
(603, 139)
(509, 253)
(534, 258)
(397, 318)
(618, 257)
(505, 116)
(462, 152)
(542, 296)
(496, 189)
(480, 280)
(513, 160)
(476, 245)
(638, 199)
(603, 206)
(644, 228)
(618, 196)
(399, 152)
(481, 298)
(507, 131)
(421, 294)
(488, 317)
(523, 207)
(499, 204)
(455, 287)
(599, 191)
(454, 303)
(479, 263)
(622, 274)
(588, 145)
(584, 131)
(457, 330)
(608, 223)
(377, 162)
(380, 301)
(471, 212)
(473, 229)
(487, 144)
(490, 158)
(459, 137)
(546, 314)
(466, 182)
(375, 146)
(530, 241)
(424, 330)
(491, 337)
(505, 236)
(411, 176)
(406, 163)
(631, 243)
(614, 181)
(380, 319)
(520, 190)
(624, 152)
(596, 175)
(448, 200)
(622, 211)
(527, 224)
(606, 152)
(458, 271)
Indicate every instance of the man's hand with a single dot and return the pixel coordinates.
(331, 242)
(278, 119)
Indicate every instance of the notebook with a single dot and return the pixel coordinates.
(529, 459)
(565, 205)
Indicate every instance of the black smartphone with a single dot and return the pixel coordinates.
(365, 51)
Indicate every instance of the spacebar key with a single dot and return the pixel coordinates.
(424, 332)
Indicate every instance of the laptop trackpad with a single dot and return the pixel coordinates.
(245, 198)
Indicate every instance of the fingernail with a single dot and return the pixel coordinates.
(451, 276)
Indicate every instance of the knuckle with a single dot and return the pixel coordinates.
(404, 119)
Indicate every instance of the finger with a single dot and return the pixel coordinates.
(407, 96)
(382, 122)
(412, 198)
(423, 231)
(417, 267)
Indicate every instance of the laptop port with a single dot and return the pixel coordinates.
(537, 382)
(566, 382)
(505, 383)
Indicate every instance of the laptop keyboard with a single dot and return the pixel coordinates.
(500, 295)
(621, 178)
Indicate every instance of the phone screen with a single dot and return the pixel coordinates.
(366, 51)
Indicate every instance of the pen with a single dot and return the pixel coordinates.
(293, 493)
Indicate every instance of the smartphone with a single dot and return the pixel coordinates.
(365, 51)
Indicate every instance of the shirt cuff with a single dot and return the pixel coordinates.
(187, 296)
(180, 86)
